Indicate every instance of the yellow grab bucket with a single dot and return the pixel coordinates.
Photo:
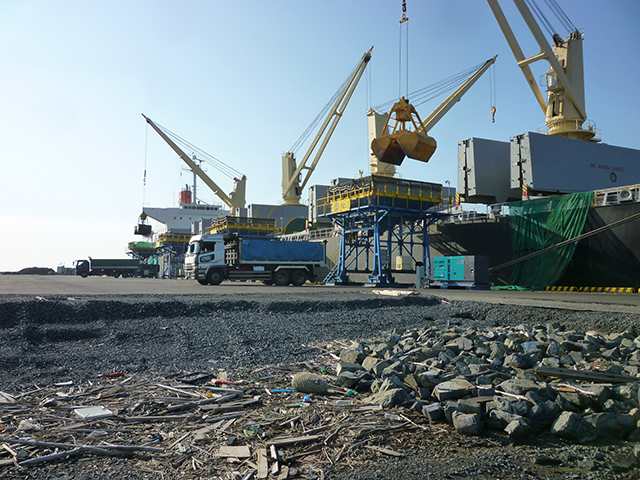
(418, 146)
(393, 148)
(386, 149)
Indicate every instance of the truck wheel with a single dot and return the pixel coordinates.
(267, 282)
(281, 278)
(84, 274)
(299, 278)
(116, 274)
(203, 282)
(214, 277)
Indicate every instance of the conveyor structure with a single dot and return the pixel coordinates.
(381, 218)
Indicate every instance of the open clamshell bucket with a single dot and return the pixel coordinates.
(418, 146)
(393, 148)
(386, 149)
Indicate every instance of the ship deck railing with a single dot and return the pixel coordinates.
(617, 195)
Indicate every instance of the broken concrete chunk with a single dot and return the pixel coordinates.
(353, 354)
(518, 428)
(612, 425)
(467, 423)
(348, 367)
(452, 389)
(571, 426)
(433, 412)
(518, 386)
(349, 379)
(389, 398)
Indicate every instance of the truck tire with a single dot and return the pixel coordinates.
(299, 278)
(116, 274)
(84, 274)
(281, 278)
(215, 277)
(267, 282)
(202, 282)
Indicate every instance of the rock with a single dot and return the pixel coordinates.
(612, 425)
(518, 386)
(379, 367)
(433, 412)
(369, 362)
(389, 398)
(452, 390)
(499, 419)
(349, 379)
(544, 414)
(627, 393)
(353, 354)
(574, 401)
(573, 427)
(467, 423)
(449, 409)
(348, 367)
(519, 360)
(469, 406)
(518, 428)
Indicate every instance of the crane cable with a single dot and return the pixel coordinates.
(558, 13)
(322, 114)
(404, 20)
(492, 92)
(434, 90)
(144, 176)
(219, 165)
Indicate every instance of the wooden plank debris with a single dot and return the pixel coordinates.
(385, 451)
(584, 375)
(280, 442)
(237, 452)
(263, 463)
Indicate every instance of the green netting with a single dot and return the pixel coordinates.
(541, 223)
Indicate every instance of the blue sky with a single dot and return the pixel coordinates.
(242, 81)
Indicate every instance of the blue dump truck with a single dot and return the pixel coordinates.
(213, 258)
(111, 267)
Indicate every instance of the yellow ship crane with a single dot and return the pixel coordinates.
(398, 141)
(235, 200)
(292, 182)
(564, 106)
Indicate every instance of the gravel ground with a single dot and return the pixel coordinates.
(56, 339)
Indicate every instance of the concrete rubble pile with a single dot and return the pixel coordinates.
(520, 380)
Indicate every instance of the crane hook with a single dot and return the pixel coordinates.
(404, 12)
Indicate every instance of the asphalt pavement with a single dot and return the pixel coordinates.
(69, 285)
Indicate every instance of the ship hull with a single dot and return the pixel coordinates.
(608, 259)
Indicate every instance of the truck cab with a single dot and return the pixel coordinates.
(205, 254)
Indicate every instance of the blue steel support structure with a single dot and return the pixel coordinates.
(374, 233)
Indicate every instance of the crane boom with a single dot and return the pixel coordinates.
(454, 98)
(237, 198)
(291, 185)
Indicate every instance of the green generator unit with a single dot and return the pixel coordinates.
(461, 271)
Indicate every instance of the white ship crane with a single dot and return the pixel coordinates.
(564, 106)
(234, 200)
(292, 182)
